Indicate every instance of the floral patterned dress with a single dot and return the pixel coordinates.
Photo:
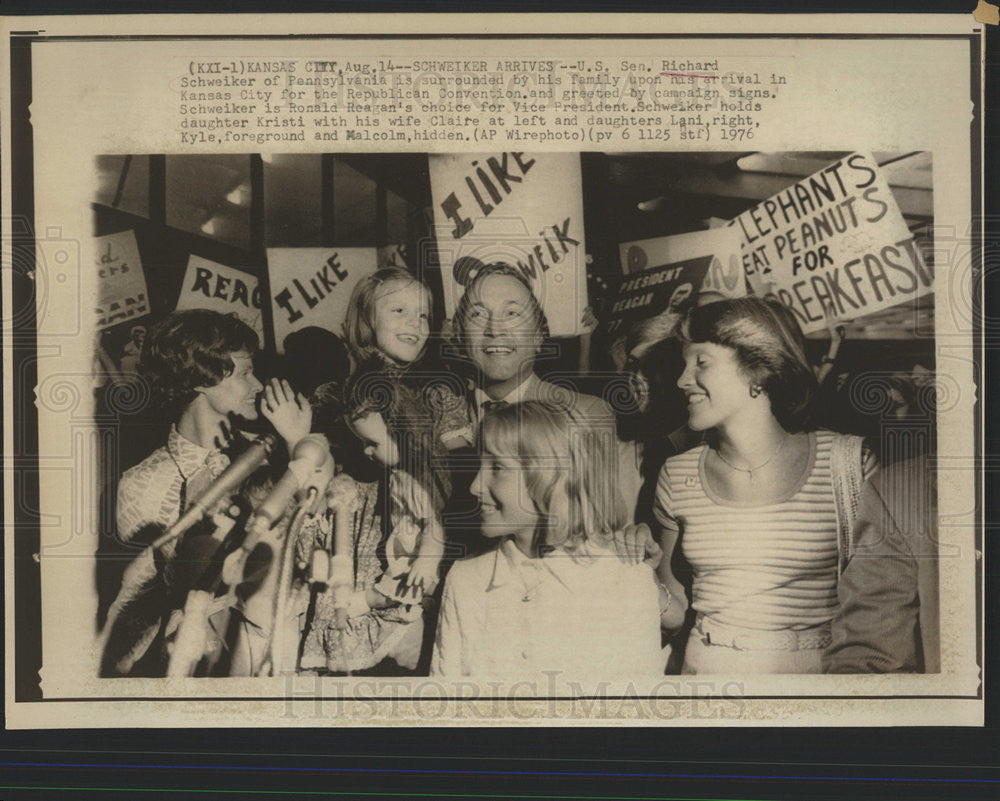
(370, 638)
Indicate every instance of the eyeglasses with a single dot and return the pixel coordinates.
(480, 317)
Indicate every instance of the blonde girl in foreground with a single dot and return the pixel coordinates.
(553, 595)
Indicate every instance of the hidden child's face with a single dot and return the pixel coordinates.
(379, 445)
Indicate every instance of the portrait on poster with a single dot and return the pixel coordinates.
(420, 380)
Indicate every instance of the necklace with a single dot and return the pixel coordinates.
(182, 492)
(530, 587)
(529, 574)
(747, 470)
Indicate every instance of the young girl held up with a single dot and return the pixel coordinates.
(396, 560)
(387, 329)
(388, 319)
(553, 595)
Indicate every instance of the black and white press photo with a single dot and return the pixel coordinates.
(692, 393)
(389, 387)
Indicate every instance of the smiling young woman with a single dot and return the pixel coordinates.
(755, 507)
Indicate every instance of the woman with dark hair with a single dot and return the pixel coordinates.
(198, 365)
(763, 508)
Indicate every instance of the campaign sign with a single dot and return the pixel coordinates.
(312, 286)
(208, 285)
(520, 209)
(724, 277)
(121, 283)
(664, 291)
(836, 238)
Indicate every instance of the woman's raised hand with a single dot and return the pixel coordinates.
(289, 413)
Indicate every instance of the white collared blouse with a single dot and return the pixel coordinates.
(585, 615)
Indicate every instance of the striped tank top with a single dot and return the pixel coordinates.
(767, 567)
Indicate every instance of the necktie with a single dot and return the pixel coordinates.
(494, 406)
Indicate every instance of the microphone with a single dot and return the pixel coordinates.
(305, 470)
(342, 499)
(310, 466)
(230, 478)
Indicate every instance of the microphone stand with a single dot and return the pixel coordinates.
(343, 501)
(341, 566)
(277, 646)
(204, 506)
(308, 474)
(192, 633)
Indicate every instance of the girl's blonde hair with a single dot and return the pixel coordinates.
(359, 325)
(551, 442)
